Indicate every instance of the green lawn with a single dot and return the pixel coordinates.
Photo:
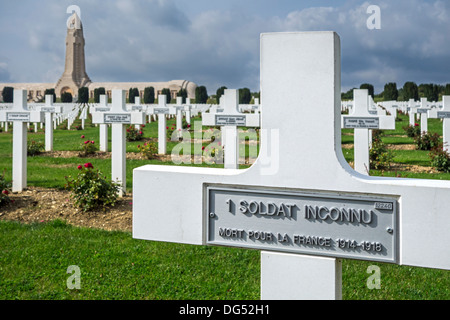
(35, 258)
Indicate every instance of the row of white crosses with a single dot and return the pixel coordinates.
(309, 209)
(362, 121)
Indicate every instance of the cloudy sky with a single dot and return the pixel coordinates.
(215, 43)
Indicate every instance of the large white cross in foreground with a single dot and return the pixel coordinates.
(313, 208)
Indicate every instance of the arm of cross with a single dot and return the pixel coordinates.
(300, 88)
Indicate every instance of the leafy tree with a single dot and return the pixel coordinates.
(8, 94)
(97, 93)
(149, 95)
(50, 92)
(83, 95)
(66, 97)
(201, 94)
(410, 91)
(167, 93)
(257, 95)
(429, 91)
(369, 87)
(182, 93)
(446, 91)
(347, 95)
(219, 93)
(245, 96)
(132, 94)
(390, 91)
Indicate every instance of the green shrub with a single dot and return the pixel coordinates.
(427, 141)
(87, 148)
(440, 159)
(4, 190)
(90, 190)
(134, 134)
(380, 157)
(149, 150)
(34, 148)
(412, 131)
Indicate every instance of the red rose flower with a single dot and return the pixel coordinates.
(80, 167)
(5, 192)
(82, 137)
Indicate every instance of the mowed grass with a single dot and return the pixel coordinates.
(34, 258)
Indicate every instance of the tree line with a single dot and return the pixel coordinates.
(149, 96)
(410, 90)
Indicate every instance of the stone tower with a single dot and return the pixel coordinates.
(74, 76)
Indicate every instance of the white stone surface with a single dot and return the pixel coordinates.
(299, 277)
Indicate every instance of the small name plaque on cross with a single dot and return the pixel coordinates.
(228, 120)
(18, 116)
(117, 118)
(367, 123)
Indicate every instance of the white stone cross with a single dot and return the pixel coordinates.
(103, 127)
(83, 117)
(119, 118)
(362, 121)
(229, 120)
(19, 115)
(423, 111)
(137, 107)
(162, 110)
(180, 108)
(412, 110)
(49, 110)
(445, 115)
(310, 209)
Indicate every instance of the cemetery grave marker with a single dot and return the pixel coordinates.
(310, 187)
(230, 119)
(19, 115)
(362, 121)
(103, 127)
(118, 117)
(49, 110)
(423, 111)
(445, 115)
(412, 110)
(162, 110)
